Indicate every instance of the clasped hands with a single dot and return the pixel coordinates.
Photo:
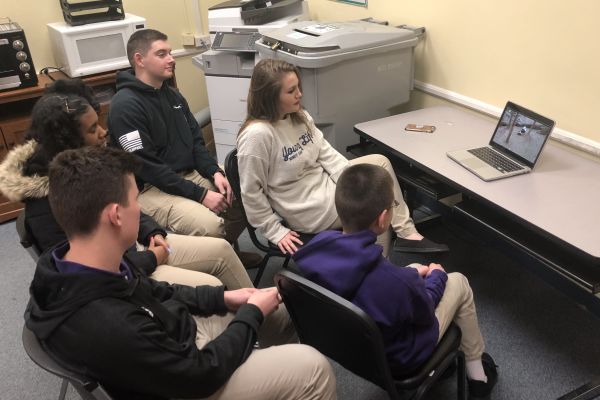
(267, 300)
(220, 200)
(426, 270)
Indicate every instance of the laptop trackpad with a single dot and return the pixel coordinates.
(473, 163)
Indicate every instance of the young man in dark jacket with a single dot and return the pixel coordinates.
(412, 306)
(24, 177)
(147, 339)
(183, 188)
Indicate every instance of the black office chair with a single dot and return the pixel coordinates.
(270, 249)
(26, 238)
(87, 388)
(343, 332)
(588, 391)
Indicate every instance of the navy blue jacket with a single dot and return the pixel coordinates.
(400, 301)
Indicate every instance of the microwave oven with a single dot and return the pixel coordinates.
(93, 48)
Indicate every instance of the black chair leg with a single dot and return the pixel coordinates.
(261, 269)
(433, 378)
(63, 389)
(461, 377)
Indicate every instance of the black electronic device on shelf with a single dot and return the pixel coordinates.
(91, 11)
(16, 66)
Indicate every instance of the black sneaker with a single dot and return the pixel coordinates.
(480, 389)
(419, 246)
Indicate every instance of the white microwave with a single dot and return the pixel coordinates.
(93, 48)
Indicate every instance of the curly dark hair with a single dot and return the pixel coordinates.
(76, 87)
(55, 126)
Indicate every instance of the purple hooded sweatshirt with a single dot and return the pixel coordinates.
(398, 299)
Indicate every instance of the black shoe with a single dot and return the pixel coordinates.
(419, 246)
(249, 260)
(481, 389)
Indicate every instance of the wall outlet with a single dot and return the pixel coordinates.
(202, 41)
(188, 39)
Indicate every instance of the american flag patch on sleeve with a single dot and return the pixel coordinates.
(131, 141)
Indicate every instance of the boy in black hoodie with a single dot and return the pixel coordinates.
(182, 186)
(147, 339)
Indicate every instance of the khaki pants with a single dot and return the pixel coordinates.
(402, 224)
(174, 275)
(188, 217)
(457, 305)
(289, 371)
(213, 256)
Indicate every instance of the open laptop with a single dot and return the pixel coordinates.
(514, 147)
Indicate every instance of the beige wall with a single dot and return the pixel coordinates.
(542, 54)
(173, 17)
(553, 67)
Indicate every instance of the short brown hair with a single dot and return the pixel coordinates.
(265, 87)
(84, 181)
(362, 192)
(141, 41)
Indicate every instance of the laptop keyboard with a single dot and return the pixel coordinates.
(494, 159)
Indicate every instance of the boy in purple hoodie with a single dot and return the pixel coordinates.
(412, 306)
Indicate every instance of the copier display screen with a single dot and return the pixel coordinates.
(235, 41)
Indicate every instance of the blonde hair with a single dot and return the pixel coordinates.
(265, 88)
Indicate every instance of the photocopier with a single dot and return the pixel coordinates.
(234, 27)
(351, 72)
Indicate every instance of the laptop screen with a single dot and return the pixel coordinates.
(521, 133)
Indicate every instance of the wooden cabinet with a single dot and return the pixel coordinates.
(14, 131)
(15, 110)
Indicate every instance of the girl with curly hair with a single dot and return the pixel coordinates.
(66, 118)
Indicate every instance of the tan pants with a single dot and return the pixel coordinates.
(288, 371)
(457, 305)
(212, 256)
(188, 217)
(401, 223)
(174, 275)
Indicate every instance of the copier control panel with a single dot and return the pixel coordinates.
(235, 41)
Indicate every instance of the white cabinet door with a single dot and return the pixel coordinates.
(227, 97)
(225, 132)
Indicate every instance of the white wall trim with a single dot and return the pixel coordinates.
(560, 135)
(186, 52)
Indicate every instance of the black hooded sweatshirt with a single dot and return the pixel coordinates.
(137, 337)
(168, 138)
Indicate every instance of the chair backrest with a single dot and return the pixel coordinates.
(87, 388)
(26, 238)
(233, 176)
(233, 173)
(337, 328)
